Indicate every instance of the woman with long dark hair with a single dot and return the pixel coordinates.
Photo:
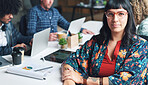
(116, 56)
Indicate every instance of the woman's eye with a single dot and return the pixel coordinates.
(110, 14)
(121, 14)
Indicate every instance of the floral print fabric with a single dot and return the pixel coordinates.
(131, 63)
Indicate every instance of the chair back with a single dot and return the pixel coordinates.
(23, 25)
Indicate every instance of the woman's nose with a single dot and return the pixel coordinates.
(115, 17)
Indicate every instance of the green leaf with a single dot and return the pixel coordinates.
(79, 35)
(62, 41)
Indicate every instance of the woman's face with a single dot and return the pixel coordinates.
(117, 20)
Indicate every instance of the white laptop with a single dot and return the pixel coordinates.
(40, 41)
(75, 25)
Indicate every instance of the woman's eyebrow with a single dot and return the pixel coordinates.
(116, 11)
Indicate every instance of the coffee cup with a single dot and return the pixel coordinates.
(20, 49)
(61, 35)
(16, 58)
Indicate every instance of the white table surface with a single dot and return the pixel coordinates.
(54, 78)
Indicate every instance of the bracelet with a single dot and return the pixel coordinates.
(85, 77)
(84, 81)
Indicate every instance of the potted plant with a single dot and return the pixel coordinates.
(80, 37)
(63, 43)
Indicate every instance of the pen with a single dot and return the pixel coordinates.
(44, 68)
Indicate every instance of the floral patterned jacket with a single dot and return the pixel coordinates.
(131, 64)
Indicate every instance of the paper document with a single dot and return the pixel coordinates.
(32, 70)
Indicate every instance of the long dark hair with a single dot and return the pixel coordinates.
(130, 29)
(9, 7)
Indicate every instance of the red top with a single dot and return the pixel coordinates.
(108, 67)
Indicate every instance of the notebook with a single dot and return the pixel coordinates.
(40, 42)
(75, 25)
(35, 69)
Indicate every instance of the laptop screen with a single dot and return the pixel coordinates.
(40, 41)
(75, 26)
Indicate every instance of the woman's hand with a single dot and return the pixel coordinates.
(69, 82)
(69, 74)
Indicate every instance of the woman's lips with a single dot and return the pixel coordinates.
(115, 25)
